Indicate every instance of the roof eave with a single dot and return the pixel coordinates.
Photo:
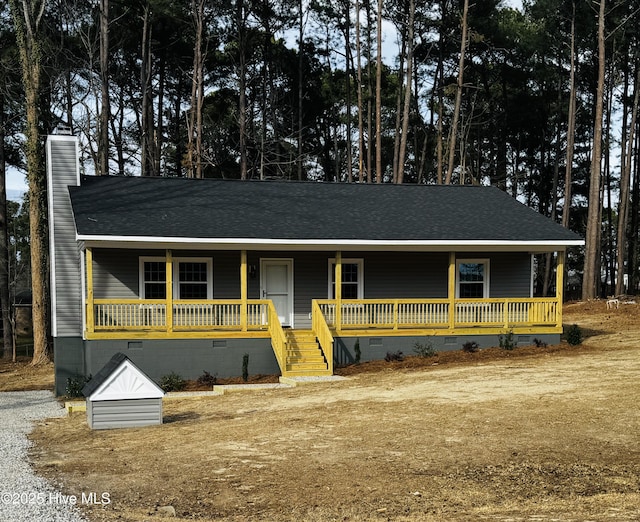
(131, 242)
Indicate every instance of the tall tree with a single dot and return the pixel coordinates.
(591, 275)
(27, 16)
(623, 203)
(453, 132)
(407, 93)
(105, 101)
(379, 94)
(194, 127)
(571, 121)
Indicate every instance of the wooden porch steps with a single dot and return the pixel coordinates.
(304, 357)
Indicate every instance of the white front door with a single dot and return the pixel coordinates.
(276, 283)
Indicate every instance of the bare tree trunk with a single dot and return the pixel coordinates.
(301, 13)
(571, 125)
(398, 122)
(5, 294)
(369, 154)
(105, 104)
(554, 192)
(27, 17)
(347, 54)
(146, 110)
(159, 134)
(359, 97)
(625, 178)
(379, 95)
(407, 94)
(632, 259)
(242, 87)
(456, 108)
(194, 123)
(440, 133)
(592, 251)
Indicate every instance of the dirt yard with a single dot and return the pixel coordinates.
(533, 434)
(21, 376)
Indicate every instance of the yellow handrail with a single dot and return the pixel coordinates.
(278, 339)
(227, 315)
(187, 315)
(323, 334)
(435, 313)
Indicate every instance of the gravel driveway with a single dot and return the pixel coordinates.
(23, 495)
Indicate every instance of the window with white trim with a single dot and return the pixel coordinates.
(472, 278)
(352, 279)
(192, 278)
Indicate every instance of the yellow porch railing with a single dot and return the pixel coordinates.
(151, 314)
(278, 339)
(323, 333)
(396, 314)
(257, 317)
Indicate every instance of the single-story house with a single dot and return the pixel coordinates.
(189, 275)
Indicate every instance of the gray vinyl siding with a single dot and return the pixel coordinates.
(66, 286)
(226, 275)
(407, 275)
(510, 274)
(126, 413)
(387, 275)
(115, 273)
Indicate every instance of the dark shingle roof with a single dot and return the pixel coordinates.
(208, 208)
(104, 373)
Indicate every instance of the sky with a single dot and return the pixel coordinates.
(16, 185)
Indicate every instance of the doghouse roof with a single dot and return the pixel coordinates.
(120, 379)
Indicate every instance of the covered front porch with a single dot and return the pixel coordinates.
(171, 318)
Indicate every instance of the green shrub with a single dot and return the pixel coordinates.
(172, 382)
(424, 350)
(75, 385)
(574, 335)
(206, 379)
(394, 356)
(245, 367)
(539, 343)
(470, 347)
(356, 350)
(507, 342)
